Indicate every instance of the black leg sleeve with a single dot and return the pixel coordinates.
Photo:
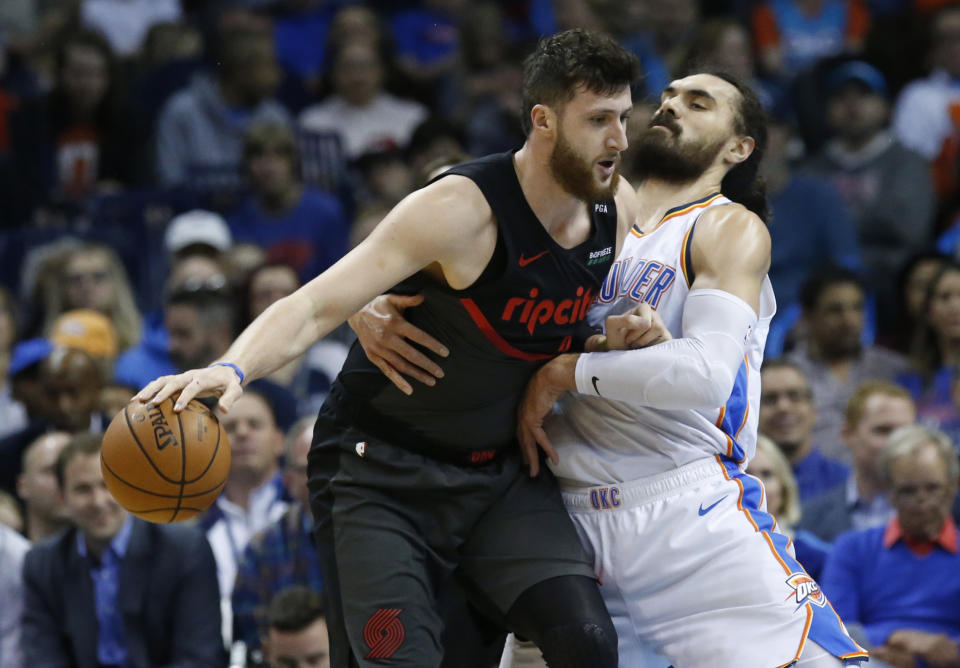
(567, 619)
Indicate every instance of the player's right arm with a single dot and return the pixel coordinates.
(385, 334)
(441, 228)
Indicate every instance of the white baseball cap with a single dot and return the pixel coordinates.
(197, 227)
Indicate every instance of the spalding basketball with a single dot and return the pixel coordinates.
(164, 466)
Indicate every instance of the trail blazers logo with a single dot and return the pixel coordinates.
(806, 590)
(384, 633)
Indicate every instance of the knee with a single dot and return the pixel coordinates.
(586, 644)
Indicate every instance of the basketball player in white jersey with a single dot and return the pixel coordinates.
(650, 452)
(650, 444)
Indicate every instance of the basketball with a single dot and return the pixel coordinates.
(164, 466)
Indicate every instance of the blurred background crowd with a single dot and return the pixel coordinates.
(169, 168)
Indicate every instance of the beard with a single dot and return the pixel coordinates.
(575, 175)
(660, 155)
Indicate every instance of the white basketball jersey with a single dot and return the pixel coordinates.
(599, 440)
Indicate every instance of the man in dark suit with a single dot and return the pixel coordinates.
(114, 590)
(874, 411)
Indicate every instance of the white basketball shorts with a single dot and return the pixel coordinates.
(691, 565)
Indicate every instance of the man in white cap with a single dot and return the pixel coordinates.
(197, 231)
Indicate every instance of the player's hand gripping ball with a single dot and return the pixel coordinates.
(163, 466)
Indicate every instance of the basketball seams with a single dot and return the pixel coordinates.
(183, 466)
(136, 438)
(213, 457)
(179, 499)
(159, 494)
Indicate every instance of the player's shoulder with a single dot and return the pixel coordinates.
(731, 234)
(732, 220)
(455, 197)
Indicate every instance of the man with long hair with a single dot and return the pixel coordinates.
(651, 459)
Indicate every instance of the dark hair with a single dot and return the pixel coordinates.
(213, 306)
(110, 106)
(432, 129)
(569, 59)
(232, 49)
(87, 38)
(925, 353)
(246, 290)
(784, 363)
(87, 443)
(823, 278)
(294, 608)
(743, 184)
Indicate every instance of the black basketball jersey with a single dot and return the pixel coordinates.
(526, 307)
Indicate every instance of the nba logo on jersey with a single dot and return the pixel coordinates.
(806, 589)
(362, 448)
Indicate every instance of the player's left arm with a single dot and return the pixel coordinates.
(730, 257)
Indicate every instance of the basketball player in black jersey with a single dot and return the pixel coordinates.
(410, 490)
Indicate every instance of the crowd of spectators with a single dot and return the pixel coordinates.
(170, 168)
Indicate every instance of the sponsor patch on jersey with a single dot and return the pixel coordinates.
(805, 590)
(600, 256)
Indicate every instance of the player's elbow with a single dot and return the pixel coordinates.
(704, 382)
(717, 386)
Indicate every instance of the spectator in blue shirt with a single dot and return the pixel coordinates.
(297, 225)
(787, 416)
(901, 582)
(876, 409)
(117, 591)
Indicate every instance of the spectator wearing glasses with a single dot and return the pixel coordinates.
(901, 582)
(91, 276)
(787, 416)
